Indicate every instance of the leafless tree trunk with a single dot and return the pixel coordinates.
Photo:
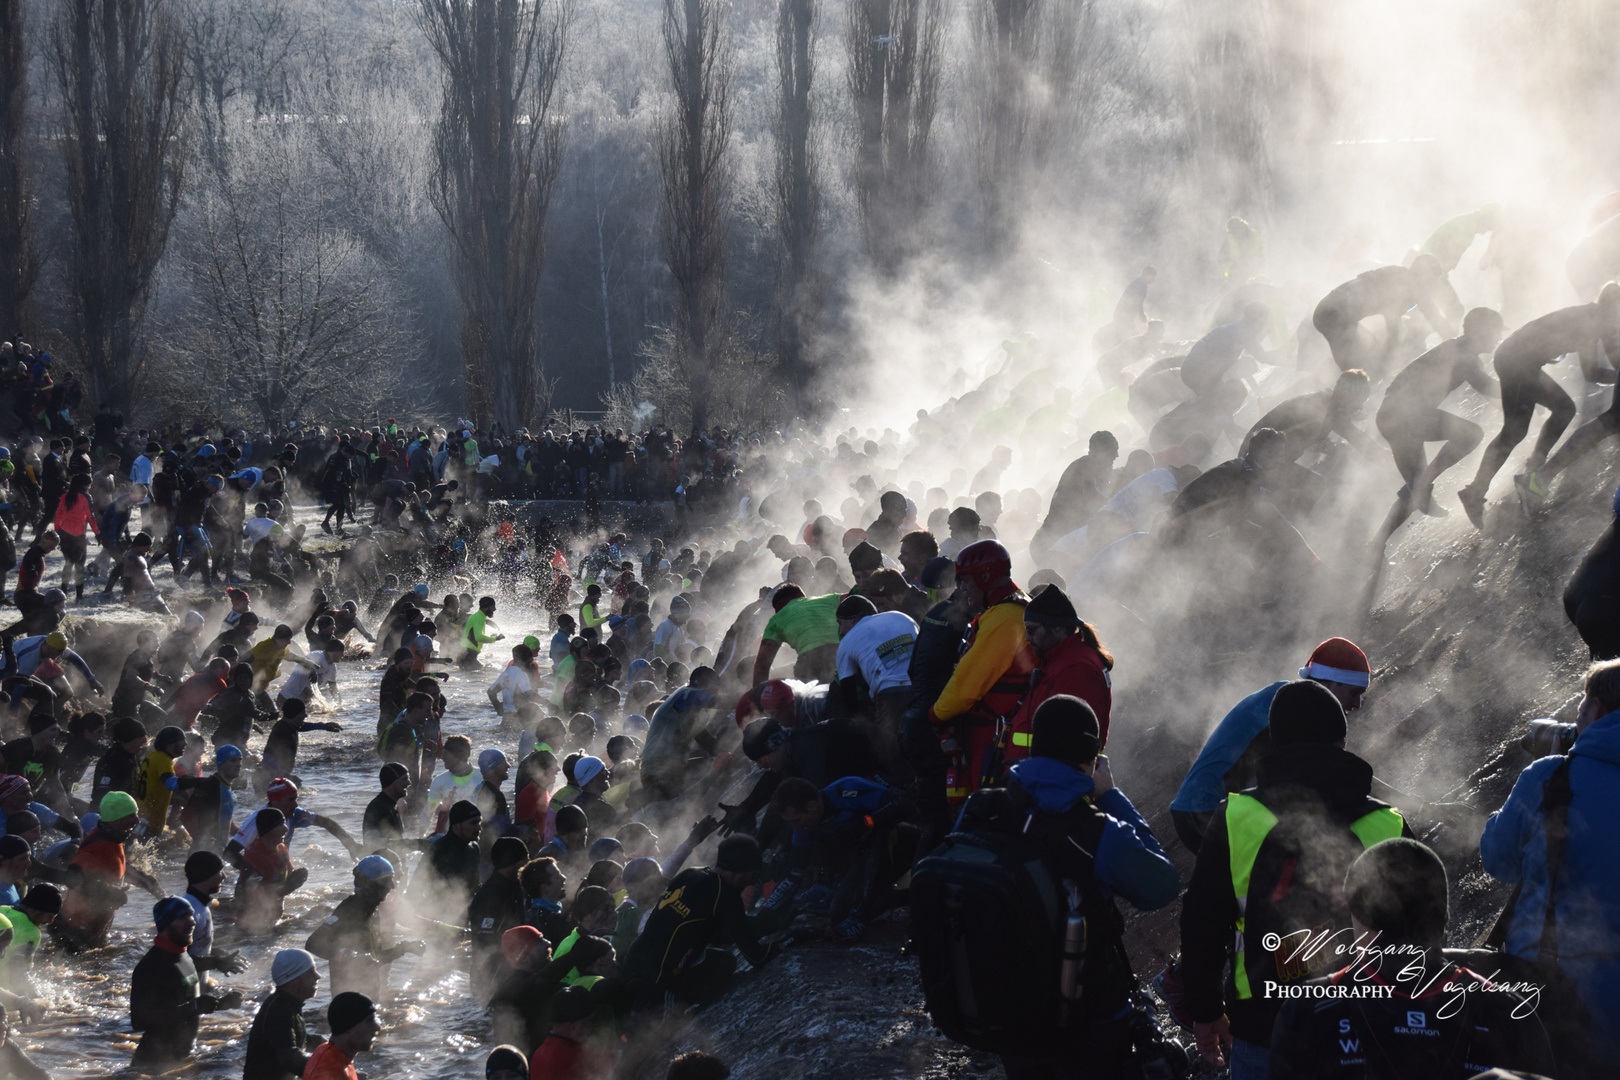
(1026, 107)
(121, 65)
(798, 194)
(694, 170)
(497, 151)
(237, 48)
(894, 52)
(19, 258)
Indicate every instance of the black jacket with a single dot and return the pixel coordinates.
(933, 656)
(820, 753)
(278, 1044)
(1447, 1024)
(165, 1005)
(1315, 792)
(697, 910)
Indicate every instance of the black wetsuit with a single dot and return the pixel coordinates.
(1411, 415)
(1592, 597)
(278, 1043)
(165, 1006)
(1389, 291)
(676, 952)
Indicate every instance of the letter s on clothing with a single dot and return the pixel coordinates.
(1344, 1026)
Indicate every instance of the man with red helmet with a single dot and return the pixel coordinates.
(993, 672)
(774, 699)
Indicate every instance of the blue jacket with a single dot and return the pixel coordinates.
(854, 806)
(1514, 849)
(1129, 861)
(1204, 789)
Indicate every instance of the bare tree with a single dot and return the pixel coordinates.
(1230, 95)
(120, 64)
(497, 151)
(798, 195)
(289, 317)
(238, 49)
(695, 172)
(894, 53)
(19, 258)
(1027, 112)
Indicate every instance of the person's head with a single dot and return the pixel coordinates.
(42, 904)
(983, 568)
(282, 794)
(1306, 713)
(506, 1062)
(785, 595)
(1268, 449)
(543, 879)
(507, 856)
(572, 1012)
(293, 973)
(394, 780)
(228, 762)
(916, 549)
(766, 743)
(129, 734)
(48, 540)
(1397, 889)
(592, 909)
(1351, 390)
(851, 610)
(1341, 666)
(572, 825)
(15, 858)
(119, 815)
(457, 749)
(1602, 686)
(466, 820)
(1428, 268)
(1103, 445)
(1065, 729)
(373, 878)
(272, 826)
(1049, 619)
(697, 1065)
(353, 1020)
(43, 730)
(174, 919)
(799, 802)
(205, 873)
(494, 767)
(1482, 329)
(892, 507)
(738, 861)
(643, 880)
(964, 523)
(864, 559)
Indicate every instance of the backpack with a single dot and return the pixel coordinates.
(989, 912)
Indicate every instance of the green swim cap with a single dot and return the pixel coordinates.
(533, 643)
(117, 805)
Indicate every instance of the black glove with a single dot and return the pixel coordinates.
(735, 815)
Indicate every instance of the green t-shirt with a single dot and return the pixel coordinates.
(806, 624)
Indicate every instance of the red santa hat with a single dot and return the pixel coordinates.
(1338, 660)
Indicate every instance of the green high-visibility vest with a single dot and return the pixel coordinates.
(1248, 823)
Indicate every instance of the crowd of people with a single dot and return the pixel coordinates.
(891, 703)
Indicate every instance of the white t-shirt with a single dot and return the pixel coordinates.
(448, 789)
(1142, 500)
(879, 648)
(323, 674)
(256, 529)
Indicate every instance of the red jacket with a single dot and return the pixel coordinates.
(1073, 667)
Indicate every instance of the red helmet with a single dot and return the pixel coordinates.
(984, 562)
(776, 699)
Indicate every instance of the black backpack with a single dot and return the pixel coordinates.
(989, 911)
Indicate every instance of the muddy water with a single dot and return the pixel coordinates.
(431, 1027)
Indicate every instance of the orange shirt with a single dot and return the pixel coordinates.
(330, 1063)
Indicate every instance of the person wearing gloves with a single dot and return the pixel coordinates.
(279, 1043)
(475, 632)
(351, 937)
(165, 1002)
(96, 877)
(353, 1020)
(205, 873)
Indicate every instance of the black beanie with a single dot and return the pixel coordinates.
(760, 737)
(508, 851)
(1051, 607)
(127, 729)
(1306, 712)
(506, 1059)
(347, 1010)
(203, 865)
(44, 897)
(571, 1003)
(738, 853)
(1398, 887)
(855, 606)
(863, 556)
(463, 811)
(390, 773)
(1065, 729)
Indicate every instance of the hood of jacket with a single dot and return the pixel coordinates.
(1054, 786)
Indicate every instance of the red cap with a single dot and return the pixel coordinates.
(280, 789)
(1338, 660)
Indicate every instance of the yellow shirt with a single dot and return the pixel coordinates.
(152, 793)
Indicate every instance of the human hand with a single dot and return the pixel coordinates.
(1213, 1038)
(1103, 776)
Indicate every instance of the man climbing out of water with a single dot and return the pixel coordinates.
(1217, 353)
(165, 1002)
(1592, 331)
(970, 716)
(1410, 415)
(1306, 421)
(351, 937)
(1390, 292)
(96, 877)
(474, 632)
